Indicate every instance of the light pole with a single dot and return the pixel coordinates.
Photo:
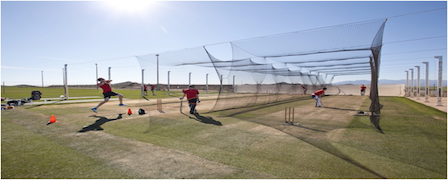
(42, 74)
(426, 81)
(96, 80)
(189, 79)
(109, 73)
(439, 81)
(412, 82)
(143, 82)
(65, 82)
(157, 86)
(418, 82)
(206, 83)
(168, 83)
(407, 84)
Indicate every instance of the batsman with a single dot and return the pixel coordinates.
(192, 97)
(317, 96)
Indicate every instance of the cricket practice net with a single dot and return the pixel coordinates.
(277, 67)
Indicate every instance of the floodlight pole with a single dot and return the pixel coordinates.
(233, 83)
(412, 82)
(426, 81)
(189, 79)
(157, 86)
(109, 73)
(42, 74)
(206, 83)
(418, 82)
(407, 84)
(65, 82)
(143, 82)
(220, 89)
(168, 88)
(439, 81)
(96, 80)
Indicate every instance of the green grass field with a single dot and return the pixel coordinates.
(13, 92)
(330, 144)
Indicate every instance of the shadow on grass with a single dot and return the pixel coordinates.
(203, 119)
(50, 103)
(98, 123)
(340, 109)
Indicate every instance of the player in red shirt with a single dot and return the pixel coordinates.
(363, 90)
(152, 89)
(192, 97)
(317, 95)
(107, 92)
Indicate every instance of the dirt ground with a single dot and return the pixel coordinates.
(164, 163)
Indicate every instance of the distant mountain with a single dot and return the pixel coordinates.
(388, 81)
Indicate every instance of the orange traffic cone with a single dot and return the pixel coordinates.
(52, 120)
(129, 111)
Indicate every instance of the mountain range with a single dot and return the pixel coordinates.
(388, 81)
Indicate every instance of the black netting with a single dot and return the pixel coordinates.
(273, 68)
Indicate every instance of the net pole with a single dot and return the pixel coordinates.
(143, 82)
(407, 84)
(65, 82)
(168, 87)
(426, 81)
(412, 82)
(439, 81)
(206, 83)
(418, 82)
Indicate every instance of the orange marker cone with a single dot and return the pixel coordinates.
(52, 120)
(129, 111)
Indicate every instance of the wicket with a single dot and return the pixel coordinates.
(288, 119)
(159, 105)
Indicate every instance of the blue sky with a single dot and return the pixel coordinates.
(43, 36)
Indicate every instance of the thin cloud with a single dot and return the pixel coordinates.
(164, 30)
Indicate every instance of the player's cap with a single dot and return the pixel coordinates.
(192, 86)
(99, 79)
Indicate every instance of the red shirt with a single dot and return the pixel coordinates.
(106, 87)
(319, 92)
(152, 87)
(363, 88)
(191, 93)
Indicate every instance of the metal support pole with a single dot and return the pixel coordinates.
(426, 81)
(96, 80)
(233, 84)
(407, 84)
(412, 82)
(220, 89)
(66, 82)
(206, 83)
(418, 82)
(168, 88)
(42, 74)
(439, 81)
(143, 82)
(157, 86)
(189, 79)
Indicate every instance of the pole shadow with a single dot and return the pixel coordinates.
(98, 123)
(203, 119)
(340, 109)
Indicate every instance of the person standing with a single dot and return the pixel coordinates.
(192, 97)
(107, 92)
(152, 89)
(145, 89)
(304, 89)
(317, 96)
(363, 90)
